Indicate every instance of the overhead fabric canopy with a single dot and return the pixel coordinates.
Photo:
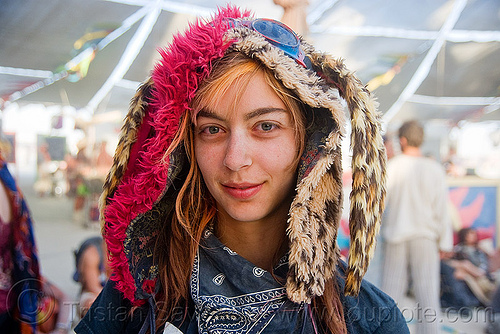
(429, 60)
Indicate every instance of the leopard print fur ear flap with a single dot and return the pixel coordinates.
(128, 136)
(367, 198)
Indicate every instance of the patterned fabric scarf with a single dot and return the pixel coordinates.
(232, 295)
(26, 274)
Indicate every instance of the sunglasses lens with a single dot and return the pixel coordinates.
(276, 31)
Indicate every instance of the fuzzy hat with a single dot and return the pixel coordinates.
(140, 188)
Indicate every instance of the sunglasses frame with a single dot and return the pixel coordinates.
(293, 51)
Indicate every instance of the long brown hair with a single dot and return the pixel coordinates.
(195, 208)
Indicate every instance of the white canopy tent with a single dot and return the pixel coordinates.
(430, 60)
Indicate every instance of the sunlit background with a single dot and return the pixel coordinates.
(68, 69)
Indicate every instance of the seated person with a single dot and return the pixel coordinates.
(469, 265)
(92, 270)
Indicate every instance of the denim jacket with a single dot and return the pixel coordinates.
(242, 299)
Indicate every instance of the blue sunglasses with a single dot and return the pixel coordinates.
(278, 34)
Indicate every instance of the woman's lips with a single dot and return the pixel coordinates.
(242, 190)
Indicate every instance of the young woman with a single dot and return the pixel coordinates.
(222, 207)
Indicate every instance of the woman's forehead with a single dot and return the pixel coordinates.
(227, 93)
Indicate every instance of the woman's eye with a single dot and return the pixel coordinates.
(267, 126)
(212, 130)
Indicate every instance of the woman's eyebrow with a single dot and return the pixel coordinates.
(204, 112)
(263, 111)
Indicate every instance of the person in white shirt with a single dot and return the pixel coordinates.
(416, 227)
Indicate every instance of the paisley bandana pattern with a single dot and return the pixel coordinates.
(222, 305)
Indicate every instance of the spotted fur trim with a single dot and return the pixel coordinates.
(367, 198)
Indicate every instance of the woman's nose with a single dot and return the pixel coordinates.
(238, 153)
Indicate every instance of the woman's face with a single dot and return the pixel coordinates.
(247, 153)
(471, 237)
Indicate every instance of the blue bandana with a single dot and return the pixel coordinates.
(232, 295)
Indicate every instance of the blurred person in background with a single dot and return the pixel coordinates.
(92, 271)
(104, 161)
(472, 265)
(43, 185)
(29, 303)
(82, 192)
(389, 146)
(416, 226)
(20, 283)
(80, 184)
(452, 164)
